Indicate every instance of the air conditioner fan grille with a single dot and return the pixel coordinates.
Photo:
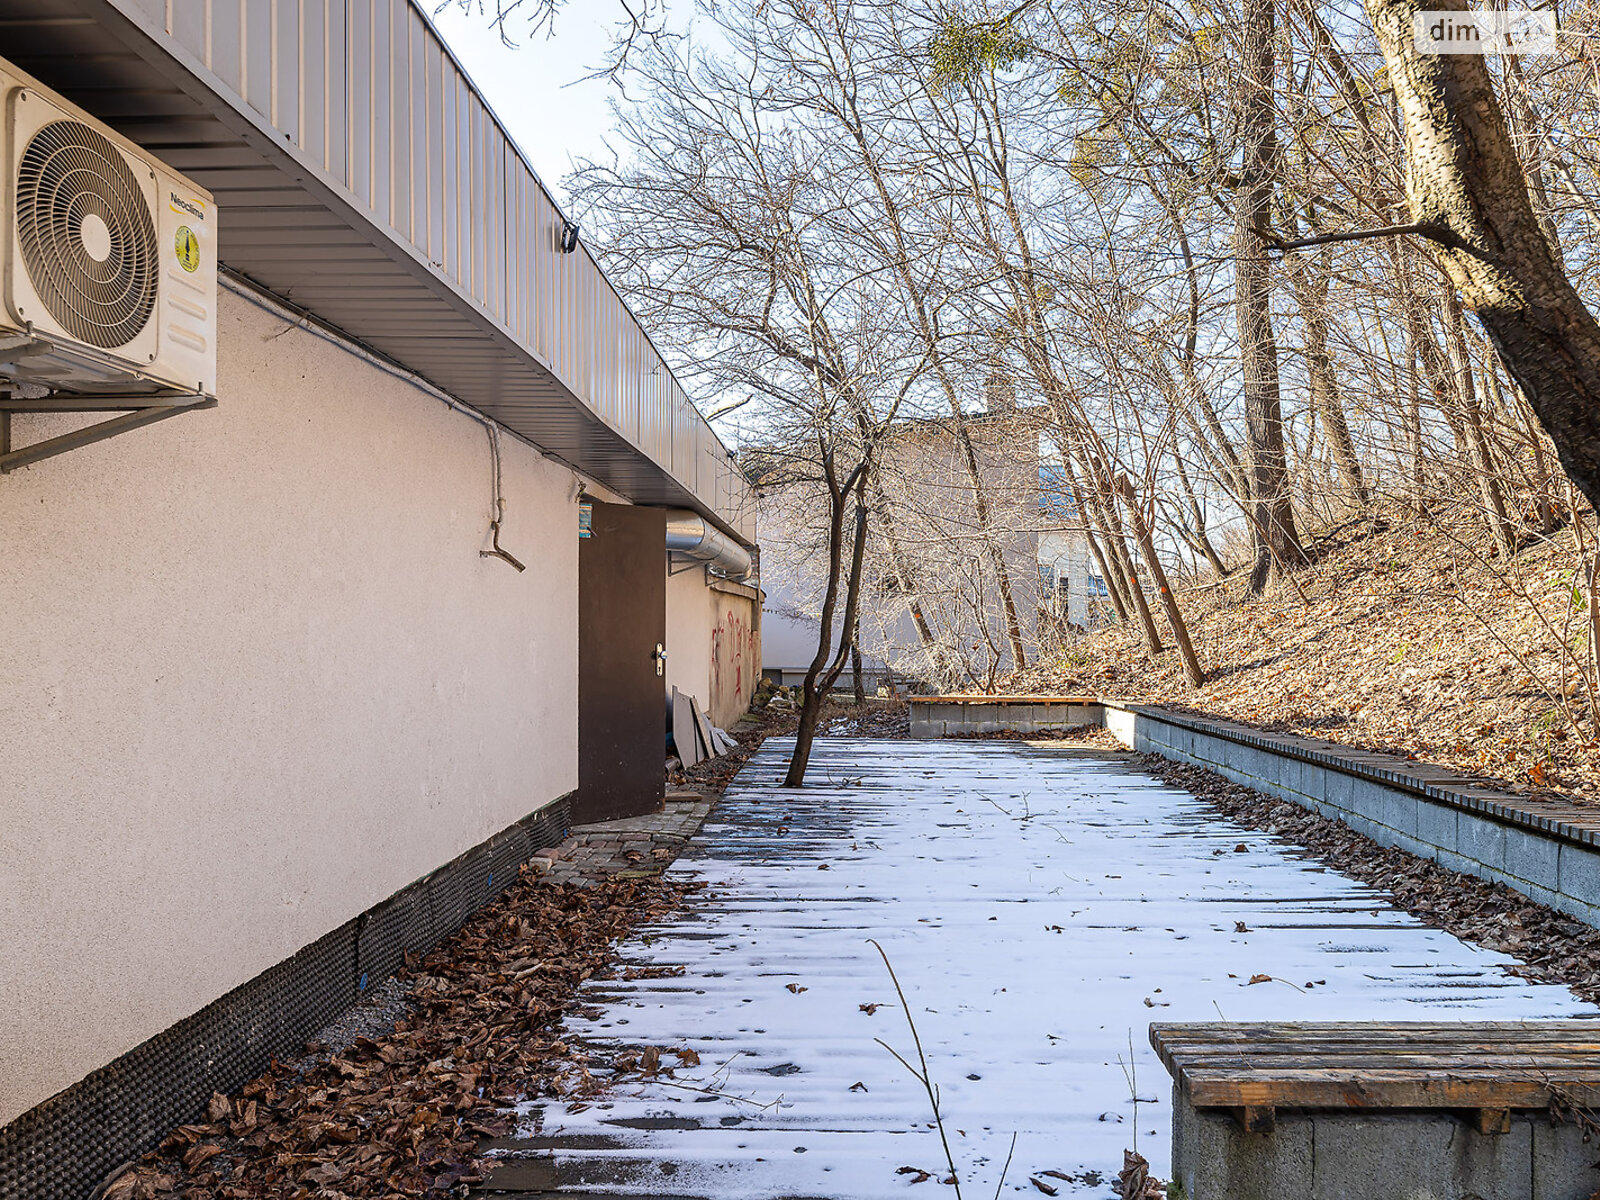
(86, 234)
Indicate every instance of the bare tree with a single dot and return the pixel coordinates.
(1469, 194)
(1272, 515)
(635, 24)
(904, 227)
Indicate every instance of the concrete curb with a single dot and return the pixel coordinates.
(955, 716)
(1549, 850)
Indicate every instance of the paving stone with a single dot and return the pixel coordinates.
(634, 847)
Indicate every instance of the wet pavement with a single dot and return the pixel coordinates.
(1040, 905)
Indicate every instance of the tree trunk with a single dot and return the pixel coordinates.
(1230, 469)
(1464, 179)
(1544, 509)
(1494, 500)
(1310, 281)
(1147, 550)
(997, 562)
(1147, 621)
(917, 296)
(1108, 575)
(1447, 379)
(904, 579)
(857, 686)
(1272, 516)
(1116, 544)
(1197, 536)
(820, 676)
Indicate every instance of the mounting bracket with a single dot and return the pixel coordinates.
(691, 564)
(145, 408)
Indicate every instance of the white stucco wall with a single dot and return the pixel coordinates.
(254, 678)
(713, 642)
(1068, 552)
(688, 632)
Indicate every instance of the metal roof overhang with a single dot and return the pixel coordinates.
(360, 177)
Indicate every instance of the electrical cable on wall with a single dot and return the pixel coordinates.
(499, 502)
(247, 289)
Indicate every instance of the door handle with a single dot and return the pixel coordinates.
(661, 658)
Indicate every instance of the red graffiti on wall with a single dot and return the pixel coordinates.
(730, 645)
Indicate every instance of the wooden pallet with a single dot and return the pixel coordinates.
(1483, 1069)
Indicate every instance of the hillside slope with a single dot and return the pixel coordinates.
(1406, 635)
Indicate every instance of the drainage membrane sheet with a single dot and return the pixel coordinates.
(1040, 909)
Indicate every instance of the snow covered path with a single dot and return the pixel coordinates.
(1040, 907)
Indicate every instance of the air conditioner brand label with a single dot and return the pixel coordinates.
(193, 208)
(187, 248)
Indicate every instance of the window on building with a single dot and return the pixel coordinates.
(1055, 494)
(1097, 586)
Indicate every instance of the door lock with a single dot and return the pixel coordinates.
(661, 658)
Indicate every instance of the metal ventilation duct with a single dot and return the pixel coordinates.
(690, 534)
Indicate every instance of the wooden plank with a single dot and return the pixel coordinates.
(1001, 700)
(537, 1175)
(1484, 1069)
(1464, 1037)
(1421, 1073)
(1241, 1030)
(703, 726)
(1466, 1065)
(1177, 1040)
(1263, 1056)
(1380, 1044)
(1264, 1053)
(1492, 1120)
(1310, 1088)
(1256, 1119)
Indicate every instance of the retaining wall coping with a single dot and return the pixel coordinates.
(1001, 701)
(1555, 818)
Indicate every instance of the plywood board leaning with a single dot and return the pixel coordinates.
(685, 732)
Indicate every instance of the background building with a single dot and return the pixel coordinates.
(933, 609)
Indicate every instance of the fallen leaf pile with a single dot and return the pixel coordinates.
(590, 1071)
(1550, 947)
(1413, 636)
(874, 719)
(1088, 735)
(1134, 1181)
(403, 1114)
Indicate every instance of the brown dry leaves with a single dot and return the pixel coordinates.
(875, 719)
(1134, 1181)
(402, 1115)
(1414, 640)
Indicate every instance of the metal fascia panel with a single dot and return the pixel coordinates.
(231, 68)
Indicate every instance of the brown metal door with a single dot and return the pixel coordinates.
(622, 620)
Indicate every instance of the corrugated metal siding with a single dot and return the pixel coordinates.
(365, 96)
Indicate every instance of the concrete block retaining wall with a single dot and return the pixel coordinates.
(954, 716)
(1547, 850)
(1365, 1155)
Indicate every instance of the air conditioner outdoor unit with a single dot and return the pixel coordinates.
(108, 258)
